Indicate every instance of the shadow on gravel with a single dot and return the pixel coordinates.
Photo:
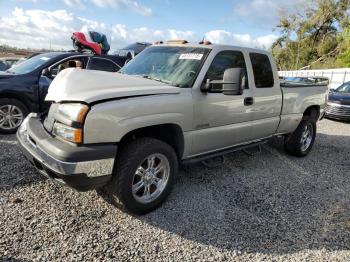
(338, 120)
(11, 259)
(15, 170)
(266, 203)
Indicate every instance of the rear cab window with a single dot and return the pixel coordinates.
(262, 69)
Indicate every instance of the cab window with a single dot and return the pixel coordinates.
(263, 75)
(223, 61)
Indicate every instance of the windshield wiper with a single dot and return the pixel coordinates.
(156, 79)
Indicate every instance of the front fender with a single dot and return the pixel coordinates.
(111, 121)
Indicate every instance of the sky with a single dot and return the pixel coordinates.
(41, 23)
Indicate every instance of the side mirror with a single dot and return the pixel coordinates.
(231, 84)
(232, 81)
(46, 72)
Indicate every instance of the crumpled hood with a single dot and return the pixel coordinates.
(90, 86)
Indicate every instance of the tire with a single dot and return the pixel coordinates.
(130, 172)
(299, 143)
(12, 114)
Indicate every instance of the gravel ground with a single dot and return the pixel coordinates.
(265, 206)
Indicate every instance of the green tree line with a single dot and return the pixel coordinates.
(314, 35)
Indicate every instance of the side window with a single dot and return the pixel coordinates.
(68, 63)
(263, 75)
(223, 61)
(102, 65)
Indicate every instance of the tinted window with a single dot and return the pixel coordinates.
(102, 65)
(262, 69)
(223, 61)
(72, 62)
(3, 66)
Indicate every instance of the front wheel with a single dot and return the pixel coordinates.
(300, 142)
(143, 176)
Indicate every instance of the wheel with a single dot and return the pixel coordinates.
(12, 114)
(300, 142)
(144, 175)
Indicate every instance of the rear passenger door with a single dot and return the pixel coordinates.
(267, 96)
(102, 64)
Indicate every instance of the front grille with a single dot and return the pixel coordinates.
(338, 110)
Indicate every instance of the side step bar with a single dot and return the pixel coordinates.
(204, 157)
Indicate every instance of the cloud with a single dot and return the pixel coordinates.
(126, 4)
(225, 37)
(40, 29)
(264, 12)
(75, 3)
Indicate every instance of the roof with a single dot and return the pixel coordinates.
(214, 46)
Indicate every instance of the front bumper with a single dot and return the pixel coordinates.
(80, 167)
(337, 111)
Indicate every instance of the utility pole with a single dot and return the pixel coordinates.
(110, 36)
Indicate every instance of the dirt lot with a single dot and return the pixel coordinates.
(268, 206)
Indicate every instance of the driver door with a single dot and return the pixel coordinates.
(221, 121)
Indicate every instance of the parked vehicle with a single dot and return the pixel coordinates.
(130, 51)
(3, 66)
(304, 80)
(173, 103)
(338, 103)
(8, 62)
(23, 88)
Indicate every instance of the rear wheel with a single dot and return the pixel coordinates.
(144, 175)
(300, 142)
(12, 114)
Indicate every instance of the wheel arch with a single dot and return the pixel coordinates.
(312, 112)
(18, 97)
(171, 134)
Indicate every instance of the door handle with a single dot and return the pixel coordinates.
(248, 101)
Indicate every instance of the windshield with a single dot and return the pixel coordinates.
(344, 88)
(177, 66)
(31, 64)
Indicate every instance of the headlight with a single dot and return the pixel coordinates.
(68, 133)
(69, 122)
(73, 112)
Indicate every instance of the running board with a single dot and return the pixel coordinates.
(204, 157)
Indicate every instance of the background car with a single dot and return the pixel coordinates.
(3, 66)
(304, 80)
(129, 52)
(23, 88)
(8, 62)
(338, 103)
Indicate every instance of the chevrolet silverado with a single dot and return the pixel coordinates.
(175, 103)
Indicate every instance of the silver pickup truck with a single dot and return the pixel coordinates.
(174, 103)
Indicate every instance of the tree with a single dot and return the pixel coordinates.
(313, 36)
